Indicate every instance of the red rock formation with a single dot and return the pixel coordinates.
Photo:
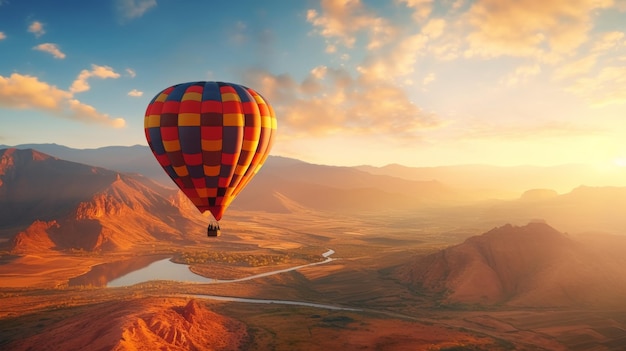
(141, 324)
(532, 265)
(35, 238)
(91, 208)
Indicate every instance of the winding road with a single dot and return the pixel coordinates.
(326, 254)
(279, 302)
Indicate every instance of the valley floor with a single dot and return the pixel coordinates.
(37, 303)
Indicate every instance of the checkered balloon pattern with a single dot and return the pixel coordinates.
(211, 138)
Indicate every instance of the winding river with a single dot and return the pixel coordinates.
(167, 270)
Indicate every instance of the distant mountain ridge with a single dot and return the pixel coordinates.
(53, 204)
(34, 185)
(342, 189)
(531, 265)
(584, 208)
(287, 185)
(498, 181)
(307, 185)
(127, 159)
(508, 182)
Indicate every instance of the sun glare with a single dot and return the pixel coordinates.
(620, 162)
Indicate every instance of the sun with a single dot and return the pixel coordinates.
(620, 162)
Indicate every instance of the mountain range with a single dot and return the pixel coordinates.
(509, 181)
(49, 203)
(116, 188)
(281, 180)
(474, 181)
(532, 265)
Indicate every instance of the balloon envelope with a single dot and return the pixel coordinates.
(211, 138)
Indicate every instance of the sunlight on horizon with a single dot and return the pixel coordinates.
(620, 162)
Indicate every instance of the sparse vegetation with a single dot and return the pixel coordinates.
(243, 259)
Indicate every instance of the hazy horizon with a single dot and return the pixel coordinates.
(615, 166)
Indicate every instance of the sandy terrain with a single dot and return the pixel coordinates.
(43, 271)
(38, 308)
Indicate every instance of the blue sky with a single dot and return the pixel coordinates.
(415, 82)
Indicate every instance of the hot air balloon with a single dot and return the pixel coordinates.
(211, 138)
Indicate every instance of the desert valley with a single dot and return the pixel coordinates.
(311, 257)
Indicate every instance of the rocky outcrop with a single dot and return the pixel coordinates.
(141, 324)
(34, 239)
(532, 265)
(70, 206)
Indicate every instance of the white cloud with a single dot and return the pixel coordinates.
(609, 41)
(130, 9)
(319, 72)
(537, 40)
(135, 93)
(434, 28)
(547, 31)
(397, 62)
(103, 72)
(575, 68)
(23, 91)
(2, 36)
(331, 102)
(36, 28)
(52, 49)
(606, 87)
(393, 50)
(341, 20)
(131, 72)
(597, 74)
(457, 4)
(421, 8)
(84, 112)
(28, 92)
(522, 74)
(238, 33)
(428, 79)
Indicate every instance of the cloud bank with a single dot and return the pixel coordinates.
(28, 92)
(556, 39)
(330, 102)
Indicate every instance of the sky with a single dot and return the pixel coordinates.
(353, 82)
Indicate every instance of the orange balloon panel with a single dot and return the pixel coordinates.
(211, 138)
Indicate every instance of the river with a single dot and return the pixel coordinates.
(165, 269)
